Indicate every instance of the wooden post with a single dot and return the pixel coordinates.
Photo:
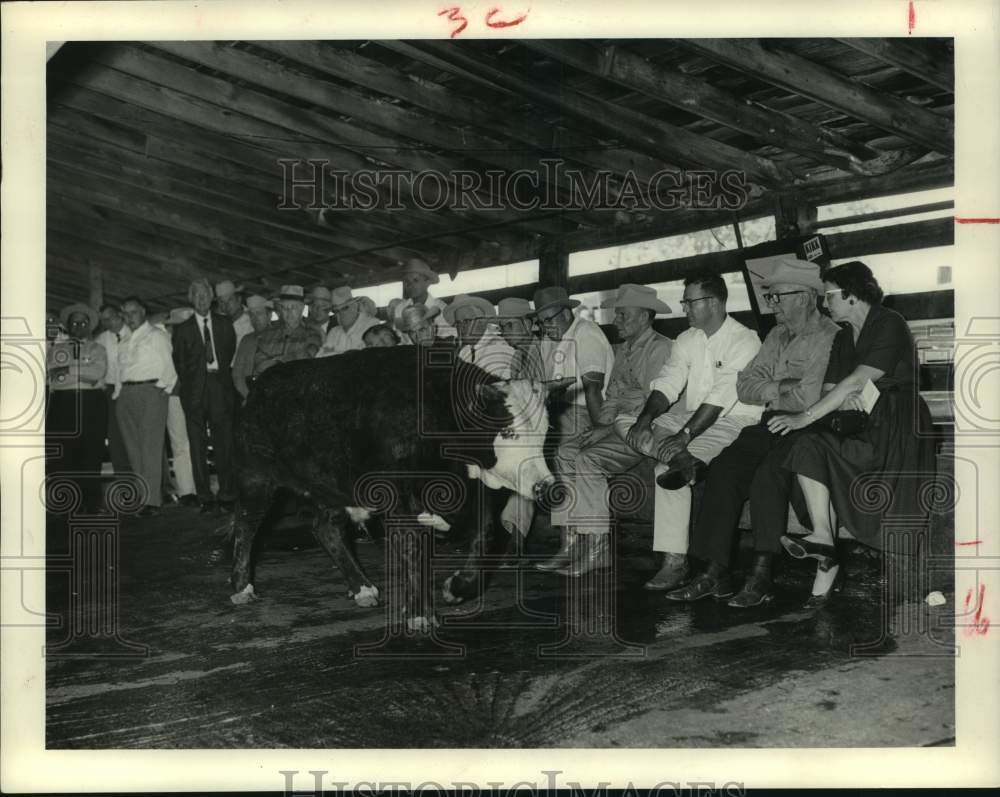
(792, 218)
(553, 265)
(96, 285)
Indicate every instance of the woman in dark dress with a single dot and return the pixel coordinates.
(855, 480)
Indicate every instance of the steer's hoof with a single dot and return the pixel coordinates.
(245, 595)
(446, 591)
(421, 625)
(366, 597)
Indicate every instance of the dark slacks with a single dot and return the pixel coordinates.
(749, 468)
(116, 443)
(212, 414)
(75, 425)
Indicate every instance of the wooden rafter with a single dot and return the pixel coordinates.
(915, 56)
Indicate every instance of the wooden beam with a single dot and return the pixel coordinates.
(523, 128)
(96, 279)
(205, 101)
(406, 124)
(893, 213)
(652, 136)
(698, 96)
(794, 73)
(660, 271)
(915, 56)
(892, 238)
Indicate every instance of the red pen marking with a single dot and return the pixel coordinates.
(455, 15)
(971, 542)
(976, 221)
(912, 19)
(980, 625)
(503, 23)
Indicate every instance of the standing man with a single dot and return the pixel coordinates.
(518, 329)
(786, 376)
(479, 340)
(321, 302)
(417, 276)
(259, 312)
(147, 377)
(352, 321)
(115, 331)
(180, 446)
(291, 338)
(702, 367)
(638, 361)
(230, 303)
(77, 414)
(204, 347)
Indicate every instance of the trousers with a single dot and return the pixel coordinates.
(142, 416)
(749, 468)
(75, 425)
(180, 447)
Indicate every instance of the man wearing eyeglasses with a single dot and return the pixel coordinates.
(691, 415)
(785, 376)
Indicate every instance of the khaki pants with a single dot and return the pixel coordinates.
(142, 417)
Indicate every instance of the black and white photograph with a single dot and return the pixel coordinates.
(503, 388)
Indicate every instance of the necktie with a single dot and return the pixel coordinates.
(209, 356)
(118, 336)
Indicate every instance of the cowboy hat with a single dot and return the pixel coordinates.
(79, 307)
(342, 297)
(256, 302)
(415, 314)
(319, 292)
(483, 307)
(178, 315)
(513, 307)
(292, 292)
(547, 298)
(629, 295)
(792, 271)
(417, 266)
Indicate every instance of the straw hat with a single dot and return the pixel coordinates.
(79, 307)
(416, 314)
(792, 271)
(292, 292)
(417, 266)
(319, 292)
(547, 298)
(513, 307)
(630, 295)
(483, 307)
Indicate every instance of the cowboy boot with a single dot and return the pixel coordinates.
(592, 552)
(563, 556)
(672, 573)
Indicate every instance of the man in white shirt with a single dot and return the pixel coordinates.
(691, 415)
(115, 331)
(479, 339)
(229, 301)
(417, 276)
(147, 375)
(352, 323)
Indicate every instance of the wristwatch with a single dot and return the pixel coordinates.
(687, 431)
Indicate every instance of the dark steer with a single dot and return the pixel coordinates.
(388, 430)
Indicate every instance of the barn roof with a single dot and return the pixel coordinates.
(164, 158)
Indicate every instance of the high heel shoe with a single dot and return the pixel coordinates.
(830, 578)
(807, 549)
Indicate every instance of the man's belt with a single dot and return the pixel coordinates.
(140, 382)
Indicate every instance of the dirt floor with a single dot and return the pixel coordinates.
(304, 667)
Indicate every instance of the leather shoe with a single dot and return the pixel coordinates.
(684, 470)
(563, 556)
(703, 586)
(591, 552)
(756, 590)
(189, 500)
(807, 549)
(671, 575)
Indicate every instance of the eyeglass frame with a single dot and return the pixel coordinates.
(768, 297)
(685, 303)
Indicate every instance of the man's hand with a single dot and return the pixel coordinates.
(671, 447)
(640, 437)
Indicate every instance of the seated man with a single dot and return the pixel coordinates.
(698, 387)
(380, 336)
(785, 376)
(479, 341)
(518, 329)
(638, 361)
(573, 348)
